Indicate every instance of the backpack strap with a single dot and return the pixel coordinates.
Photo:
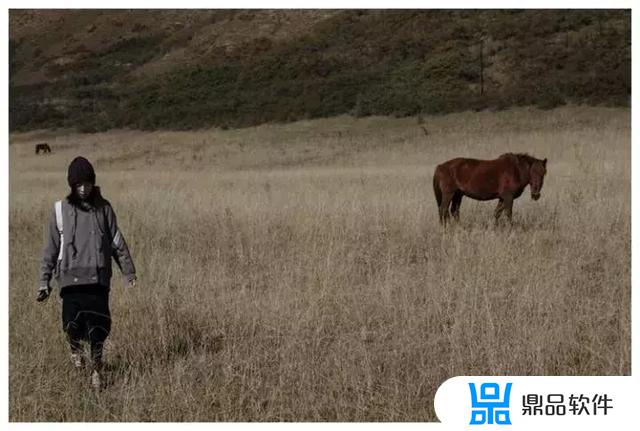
(59, 225)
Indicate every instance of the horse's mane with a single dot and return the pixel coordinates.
(519, 157)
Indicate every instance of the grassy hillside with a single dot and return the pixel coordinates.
(98, 70)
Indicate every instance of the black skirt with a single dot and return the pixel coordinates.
(85, 312)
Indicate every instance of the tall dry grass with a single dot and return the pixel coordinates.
(298, 272)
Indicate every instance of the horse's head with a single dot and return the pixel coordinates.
(537, 172)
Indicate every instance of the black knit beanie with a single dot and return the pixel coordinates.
(80, 171)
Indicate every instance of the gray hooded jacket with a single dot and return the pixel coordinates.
(90, 239)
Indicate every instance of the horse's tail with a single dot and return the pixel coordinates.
(436, 188)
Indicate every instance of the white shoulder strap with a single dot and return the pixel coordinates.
(58, 206)
(59, 225)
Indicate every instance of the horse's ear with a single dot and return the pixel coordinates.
(544, 163)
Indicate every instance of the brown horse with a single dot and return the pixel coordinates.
(45, 148)
(503, 178)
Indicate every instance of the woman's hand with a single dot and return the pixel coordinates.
(43, 293)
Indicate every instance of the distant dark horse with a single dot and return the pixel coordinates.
(503, 178)
(45, 148)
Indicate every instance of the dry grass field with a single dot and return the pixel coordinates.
(298, 272)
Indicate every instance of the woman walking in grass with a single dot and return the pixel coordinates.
(82, 238)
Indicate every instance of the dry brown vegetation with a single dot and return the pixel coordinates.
(298, 272)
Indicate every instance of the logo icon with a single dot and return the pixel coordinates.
(487, 407)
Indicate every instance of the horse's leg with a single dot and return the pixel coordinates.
(498, 211)
(455, 205)
(438, 194)
(444, 207)
(508, 206)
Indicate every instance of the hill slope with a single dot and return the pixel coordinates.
(188, 69)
